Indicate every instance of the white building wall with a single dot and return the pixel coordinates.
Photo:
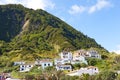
(94, 54)
(79, 59)
(24, 68)
(91, 71)
(46, 64)
(64, 67)
(67, 56)
(19, 63)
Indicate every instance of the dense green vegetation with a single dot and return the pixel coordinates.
(11, 21)
(27, 34)
(33, 32)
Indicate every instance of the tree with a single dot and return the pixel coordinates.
(50, 69)
(118, 77)
(117, 59)
(107, 75)
(29, 77)
(85, 76)
(104, 56)
(76, 66)
(92, 61)
(59, 74)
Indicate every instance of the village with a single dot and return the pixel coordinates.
(64, 62)
(61, 63)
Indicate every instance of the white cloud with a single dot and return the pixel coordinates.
(99, 5)
(117, 50)
(77, 9)
(34, 4)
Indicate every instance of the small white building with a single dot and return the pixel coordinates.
(90, 53)
(91, 70)
(66, 55)
(61, 61)
(19, 62)
(81, 52)
(79, 59)
(58, 61)
(93, 54)
(46, 63)
(63, 67)
(26, 67)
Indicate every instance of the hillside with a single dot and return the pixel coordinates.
(30, 32)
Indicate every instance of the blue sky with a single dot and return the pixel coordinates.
(99, 19)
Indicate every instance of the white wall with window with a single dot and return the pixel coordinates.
(46, 64)
(66, 55)
(26, 67)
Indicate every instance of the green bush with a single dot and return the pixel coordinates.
(107, 75)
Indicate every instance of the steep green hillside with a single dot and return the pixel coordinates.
(32, 32)
(11, 21)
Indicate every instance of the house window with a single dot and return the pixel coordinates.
(44, 64)
(48, 64)
(68, 67)
(93, 56)
(22, 69)
(29, 65)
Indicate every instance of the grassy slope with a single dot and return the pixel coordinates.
(32, 32)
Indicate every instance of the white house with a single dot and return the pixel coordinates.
(26, 67)
(63, 67)
(79, 59)
(19, 62)
(45, 63)
(90, 53)
(93, 54)
(61, 61)
(91, 70)
(81, 52)
(58, 61)
(66, 55)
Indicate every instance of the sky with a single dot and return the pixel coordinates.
(99, 19)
